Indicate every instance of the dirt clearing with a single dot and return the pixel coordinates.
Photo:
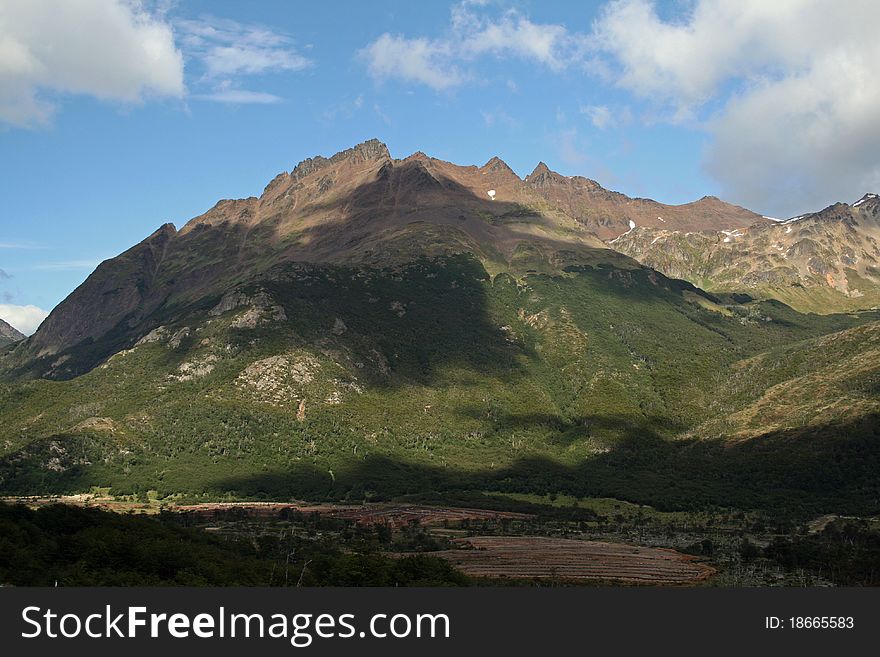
(528, 557)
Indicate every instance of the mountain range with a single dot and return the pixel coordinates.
(372, 327)
(822, 261)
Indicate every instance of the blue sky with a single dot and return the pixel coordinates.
(166, 107)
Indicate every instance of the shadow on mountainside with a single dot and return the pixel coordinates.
(400, 326)
(800, 472)
(565, 432)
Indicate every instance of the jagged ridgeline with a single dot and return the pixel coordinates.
(371, 328)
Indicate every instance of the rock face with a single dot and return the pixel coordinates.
(372, 149)
(822, 261)
(121, 291)
(9, 334)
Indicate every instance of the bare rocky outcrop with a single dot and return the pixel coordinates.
(381, 363)
(179, 336)
(162, 334)
(260, 309)
(99, 424)
(158, 334)
(195, 369)
(372, 149)
(278, 379)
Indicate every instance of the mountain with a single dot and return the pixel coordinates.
(372, 327)
(9, 334)
(821, 262)
(611, 214)
(359, 206)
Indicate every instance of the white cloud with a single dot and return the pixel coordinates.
(228, 51)
(240, 97)
(238, 59)
(499, 117)
(603, 117)
(568, 149)
(228, 48)
(383, 116)
(224, 92)
(345, 109)
(110, 49)
(599, 115)
(787, 89)
(25, 318)
(800, 144)
(437, 62)
(412, 60)
(512, 34)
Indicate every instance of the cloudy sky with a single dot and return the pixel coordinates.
(117, 116)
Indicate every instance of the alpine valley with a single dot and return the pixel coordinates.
(373, 331)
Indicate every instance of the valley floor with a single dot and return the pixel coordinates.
(520, 540)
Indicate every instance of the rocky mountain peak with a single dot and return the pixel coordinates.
(540, 170)
(372, 149)
(165, 230)
(543, 176)
(835, 212)
(868, 199)
(277, 182)
(308, 166)
(497, 165)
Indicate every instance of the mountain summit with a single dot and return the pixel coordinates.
(322, 194)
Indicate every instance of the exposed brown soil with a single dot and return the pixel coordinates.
(528, 557)
(392, 515)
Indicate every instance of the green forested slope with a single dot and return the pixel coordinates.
(328, 381)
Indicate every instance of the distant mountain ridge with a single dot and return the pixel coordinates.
(9, 334)
(822, 261)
